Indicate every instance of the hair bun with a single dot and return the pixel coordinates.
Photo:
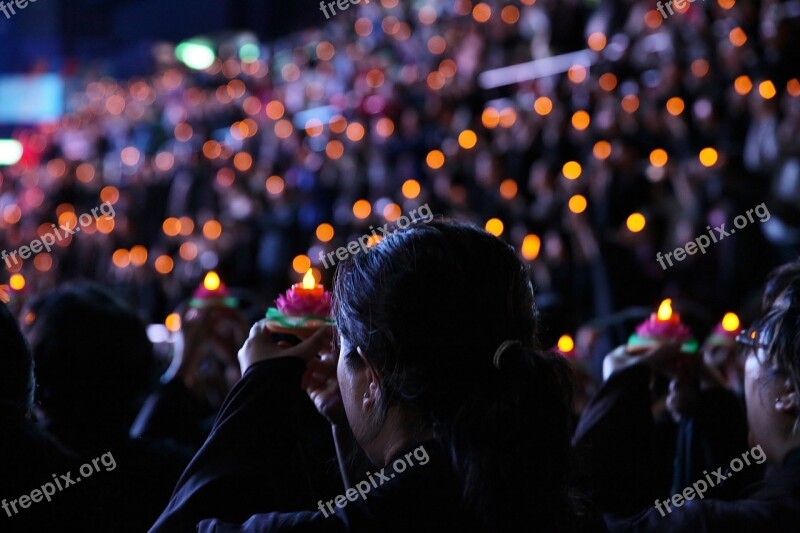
(505, 346)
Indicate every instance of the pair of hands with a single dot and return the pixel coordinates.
(319, 380)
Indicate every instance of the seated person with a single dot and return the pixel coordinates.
(615, 428)
(29, 457)
(438, 379)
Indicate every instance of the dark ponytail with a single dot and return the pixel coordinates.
(430, 306)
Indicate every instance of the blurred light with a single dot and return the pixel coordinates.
(495, 226)
(481, 12)
(602, 150)
(283, 129)
(17, 282)
(565, 344)
(708, 157)
(531, 245)
(577, 204)
(138, 255)
(275, 185)
(730, 322)
(467, 139)
(164, 264)
(212, 149)
(597, 41)
(171, 227)
(411, 189)
(355, 131)
(301, 264)
(793, 87)
(490, 118)
(384, 127)
(726, 4)
(362, 209)
(608, 82)
(742, 85)
(675, 106)
(581, 120)
(392, 212)
(249, 52)
(197, 55)
(188, 251)
(767, 90)
(435, 159)
(173, 322)
(699, 67)
(325, 232)
(275, 110)
(510, 14)
(543, 105)
(212, 230)
(630, 103)
(10, 151)
(737, 36)
(577, 73)
(334, 149)
(636, 222)
(507, 117)
(121, 258)
(43, 262)
(437, 45)
(571, 170)
(11, 214)
(109, 194)
(84, 173)
(658, 157)
(508, 189)
(242, 161)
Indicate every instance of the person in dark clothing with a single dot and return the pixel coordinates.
(438, 367)
(29, 457)
(615, 429)
(94, 363)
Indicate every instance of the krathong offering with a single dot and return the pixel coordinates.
(304, 309)
(212, 293)
(662, 326)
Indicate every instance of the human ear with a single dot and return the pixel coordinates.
(372, 378)
(787, 400)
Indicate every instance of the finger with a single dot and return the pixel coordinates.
(312, 346)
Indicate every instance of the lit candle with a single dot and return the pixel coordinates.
(663, 326)
(309, 288)
(305, 308)
(212, 293)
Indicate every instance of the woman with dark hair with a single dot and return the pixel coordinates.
(440, 382)
(618, 422)
(28, 456)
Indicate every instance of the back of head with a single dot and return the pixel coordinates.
(16, 367)
(430, 306)
(93, 357)
(778, 282)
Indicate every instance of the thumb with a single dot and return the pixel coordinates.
(312, 346)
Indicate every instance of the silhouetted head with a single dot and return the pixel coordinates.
(772, 368)
(16, 367)
(93, 357)
(421, 317)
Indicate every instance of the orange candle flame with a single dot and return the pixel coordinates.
(665, 310)
(211, 281)
(309, 282)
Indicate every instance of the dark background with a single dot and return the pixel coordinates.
(119, 33)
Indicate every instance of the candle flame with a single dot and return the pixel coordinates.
(665, 310)
(211, 282)
(566, 344)
(730, 322)
(308, 280)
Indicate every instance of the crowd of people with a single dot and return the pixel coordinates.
(277, 154)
